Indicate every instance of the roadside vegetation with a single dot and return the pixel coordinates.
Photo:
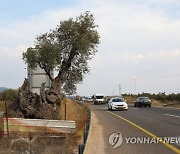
(8, 95)
(72, 110)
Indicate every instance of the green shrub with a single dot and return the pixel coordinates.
(8, 95)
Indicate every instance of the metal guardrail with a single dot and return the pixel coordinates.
(44, 122)
(86, 131)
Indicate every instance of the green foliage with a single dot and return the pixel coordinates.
(67, 49)
(161, 96)
(8, 95)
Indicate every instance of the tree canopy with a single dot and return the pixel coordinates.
(66, 49)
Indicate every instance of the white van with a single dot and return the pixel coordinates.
(98, 99)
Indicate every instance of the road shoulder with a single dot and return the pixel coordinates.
(95, 142)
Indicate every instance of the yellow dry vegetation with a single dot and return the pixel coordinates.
(156, 102)
(129, 99)
(2, 106)
(76, 112)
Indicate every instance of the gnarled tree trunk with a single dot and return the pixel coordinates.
(31, 105)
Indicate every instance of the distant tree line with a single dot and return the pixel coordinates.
(8, 95)
(11, 94)
(161, 96)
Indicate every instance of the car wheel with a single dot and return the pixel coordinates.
(134, 105)
(149, 105)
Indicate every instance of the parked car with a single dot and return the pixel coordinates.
(117, 103)
(90, 99)
(142, 101)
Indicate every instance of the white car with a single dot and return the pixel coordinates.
(117, 103)
(90, 99)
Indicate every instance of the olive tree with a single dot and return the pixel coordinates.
(66, 49)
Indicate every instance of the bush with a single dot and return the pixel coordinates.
(8, 95)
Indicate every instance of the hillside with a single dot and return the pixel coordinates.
(2, 89)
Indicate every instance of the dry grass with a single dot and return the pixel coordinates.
(76, 112)
(36, 144)
(129, 99)
(2, 106)
(176, 106)
(156, 102)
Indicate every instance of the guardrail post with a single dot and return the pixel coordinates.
(85, 136)
(81, 148)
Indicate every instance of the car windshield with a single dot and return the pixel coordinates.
(144, 98)
(99, 97)
(117, 100)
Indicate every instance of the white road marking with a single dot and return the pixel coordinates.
(172, 115)
(134, 108)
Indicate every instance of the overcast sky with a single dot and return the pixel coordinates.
(139, 49)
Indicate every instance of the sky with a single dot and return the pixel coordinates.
(139, 48)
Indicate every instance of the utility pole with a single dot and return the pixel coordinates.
(135, 80)
(119, 90)
(6, 115)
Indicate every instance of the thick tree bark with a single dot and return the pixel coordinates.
(56, 86)
(57, 83)
(34, 106)
(42, 94)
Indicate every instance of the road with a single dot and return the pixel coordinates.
(144, 123)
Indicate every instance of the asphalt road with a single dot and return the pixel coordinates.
(143, 123)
